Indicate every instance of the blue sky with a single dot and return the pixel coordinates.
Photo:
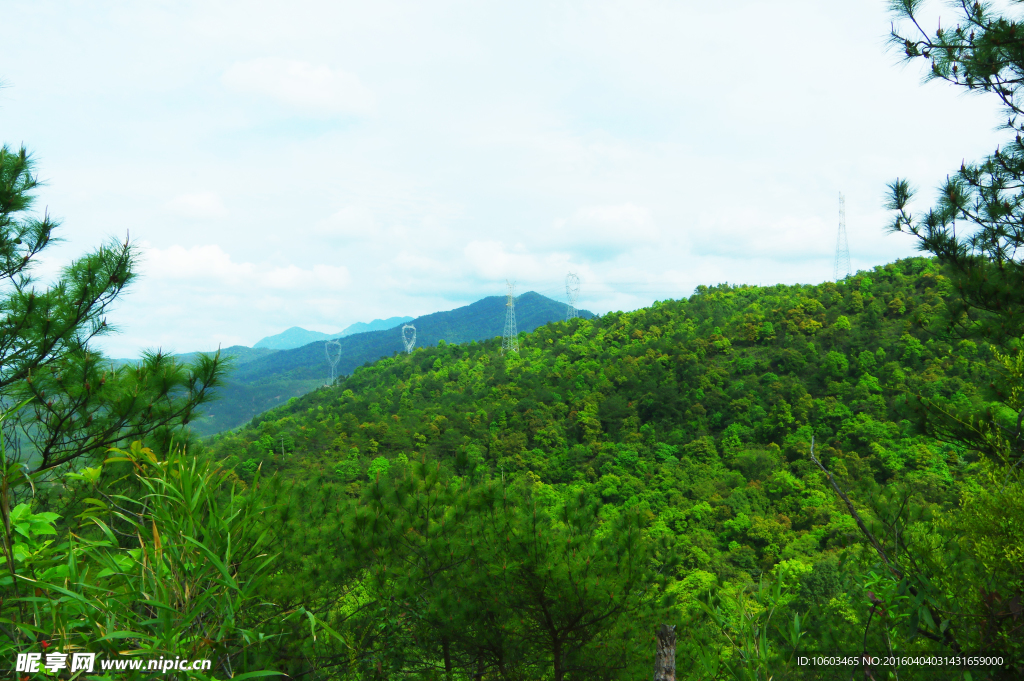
(320, 163)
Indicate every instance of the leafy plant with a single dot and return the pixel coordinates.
(174, 571)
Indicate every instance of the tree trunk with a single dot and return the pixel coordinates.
(556, 648)
(665, 655)
(447, 654)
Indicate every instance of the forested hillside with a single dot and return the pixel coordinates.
(263, 378)
(749, 484)
(692, 421)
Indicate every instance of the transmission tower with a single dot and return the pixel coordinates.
(332, 349)
(572, 293)
(409, 339)
(510, 339)
(842, 266)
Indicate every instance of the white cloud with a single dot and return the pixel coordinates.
(211, 265)
(517, 140)
(208, 263)
(492, 261)
(191, 298)
(420, 266)
(200, 205)
(603, 232)
(312, 89)
(351, 222)
(319, 279)
(743, 232)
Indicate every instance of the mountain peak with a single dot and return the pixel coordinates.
(295, 337)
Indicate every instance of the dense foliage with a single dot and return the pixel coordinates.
(168, 564)
(977, 224)
(265, 379)
(697, 415)
(779, 472)
(79, 404)
(66, 575)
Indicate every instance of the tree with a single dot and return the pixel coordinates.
(409, 529)
(983, 53)
(78, 403)
(484, 579)
(571, 590)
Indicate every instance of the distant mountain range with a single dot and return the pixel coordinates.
(264, 377)
(296, 336)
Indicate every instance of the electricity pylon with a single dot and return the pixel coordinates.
(409, 340)
(332, 358)
(572, 294)
(510, 339)
(842, 265)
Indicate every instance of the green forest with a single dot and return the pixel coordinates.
(264, 378)
(690, 423)
(751, 483)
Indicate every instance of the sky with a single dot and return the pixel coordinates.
(318, 163)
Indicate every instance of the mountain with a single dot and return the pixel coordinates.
(699, 415)
(296, 336)
(239, 354)
(478, 321)
(267, 380)
(375, 325)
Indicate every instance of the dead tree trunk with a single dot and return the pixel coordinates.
(665, 656)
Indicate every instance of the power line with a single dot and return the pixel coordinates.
(510, 339)
(842, 264)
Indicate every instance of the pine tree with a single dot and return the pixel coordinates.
(570, 588)
(977, 229)
(412, 524)
(977, 226)
(480, 578)
(76, 403)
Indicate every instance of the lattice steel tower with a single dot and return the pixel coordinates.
(842, 265)
(572, 293)
(510, 339)
(332, 349)
(409, 339)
